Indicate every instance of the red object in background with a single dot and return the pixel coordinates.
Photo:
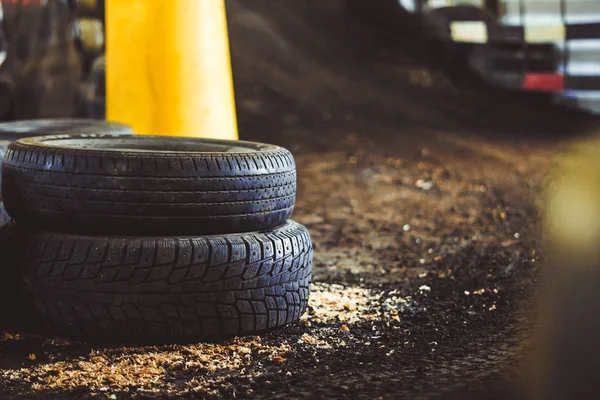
(544, 82)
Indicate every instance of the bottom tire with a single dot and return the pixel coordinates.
(167, 289)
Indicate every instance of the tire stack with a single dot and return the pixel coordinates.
(143, 239)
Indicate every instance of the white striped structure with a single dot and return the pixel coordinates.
(571, 27)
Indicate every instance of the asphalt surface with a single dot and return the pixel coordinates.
(421, 195)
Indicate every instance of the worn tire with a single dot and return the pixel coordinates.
(11, 131)
(167, 289)
(103, 184)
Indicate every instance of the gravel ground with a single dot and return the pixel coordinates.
(420, 194)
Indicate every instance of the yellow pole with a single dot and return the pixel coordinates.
(168, 68)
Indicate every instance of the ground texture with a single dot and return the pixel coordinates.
(420, 194)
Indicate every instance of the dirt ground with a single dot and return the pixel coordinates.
(420, 195)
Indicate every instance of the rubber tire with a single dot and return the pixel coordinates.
(167, 289)
(11, 131)
(136, 192)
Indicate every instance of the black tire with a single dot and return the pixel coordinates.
(103, 184)
(167, 289)
(11, 131)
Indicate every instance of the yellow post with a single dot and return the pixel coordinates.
(168, 68)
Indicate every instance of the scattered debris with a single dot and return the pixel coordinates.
(424, 185)
(278, 359)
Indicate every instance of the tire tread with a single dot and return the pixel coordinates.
(141, 289)
(108, 192)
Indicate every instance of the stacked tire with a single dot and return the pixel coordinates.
(151, 239)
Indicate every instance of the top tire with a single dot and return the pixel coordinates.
(147, 185)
